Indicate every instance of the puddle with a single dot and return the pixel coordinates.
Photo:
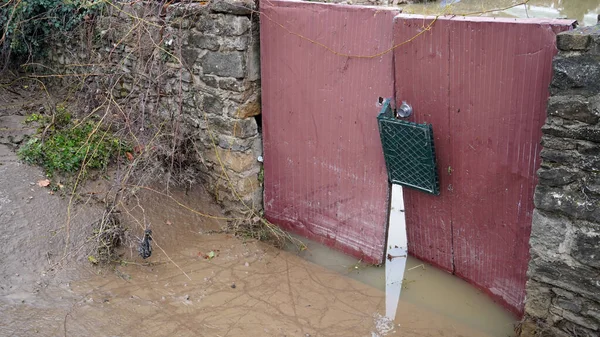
(425, 287)
(248, 288)
(584, 11)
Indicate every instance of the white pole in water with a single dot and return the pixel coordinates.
(397, 252)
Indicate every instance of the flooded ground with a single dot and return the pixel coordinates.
(248, 288)
(584, 11)
(425, 287)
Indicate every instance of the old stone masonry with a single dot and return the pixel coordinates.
(196, 64)
(563, 291)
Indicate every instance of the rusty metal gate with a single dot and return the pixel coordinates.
(325, 177)
(481, 82)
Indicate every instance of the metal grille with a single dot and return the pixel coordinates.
(408, 151)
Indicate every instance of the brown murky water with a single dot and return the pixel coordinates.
(247, 289)
(425, 287)
(584, 11)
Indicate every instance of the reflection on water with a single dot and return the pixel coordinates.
(584, 11)
(426, 287)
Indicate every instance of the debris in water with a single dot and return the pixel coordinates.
(415, 267)
(383, 325)
(145, 248)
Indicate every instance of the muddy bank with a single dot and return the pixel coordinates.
(248, 288)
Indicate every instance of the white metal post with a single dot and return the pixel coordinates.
(397, 252)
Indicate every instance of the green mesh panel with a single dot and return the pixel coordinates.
(408, 151)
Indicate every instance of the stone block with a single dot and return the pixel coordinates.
(572, 203)
(592, 310)
(245, 128)
(591, 163)
(205, 24)
(595, 44)
(212, 105)
(233, 25)
(538, 300)
(232, 7)
(578, 320)
(563, 293)
(233, 84)
(229, 64)
(556, 176)
(586, 247)
(186, 76)
(584, 132)
(211, 81)
(560, 157)
(223, 24)
(204, 41)
(249, 109)
(239, 43)
(248, 185)
(253, 61)
(578, 279)
(592, 183)
(573, 40)
(587, 148)
(547, 234)
(239, 162)
(573, 305)
(220, 124)
(573, 107)
(235, 143)
(580, 71)
(557, 143)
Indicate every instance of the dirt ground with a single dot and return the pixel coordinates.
(248, 289)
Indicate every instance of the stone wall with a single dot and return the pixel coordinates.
(193, 67)
(563, 291)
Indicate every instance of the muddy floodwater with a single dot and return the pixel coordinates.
(426, 288)
(245, 288)
(584, 11)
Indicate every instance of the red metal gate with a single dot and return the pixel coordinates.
(325, 177)
(481, 82)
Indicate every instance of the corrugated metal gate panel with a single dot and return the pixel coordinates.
(483, 84)
(325, 177)
(421, 68)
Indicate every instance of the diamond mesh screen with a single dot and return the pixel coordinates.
(408, 151)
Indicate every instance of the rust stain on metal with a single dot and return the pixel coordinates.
(390, 257)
